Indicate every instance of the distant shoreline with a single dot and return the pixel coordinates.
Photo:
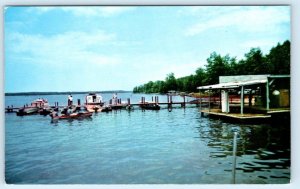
(61, 93)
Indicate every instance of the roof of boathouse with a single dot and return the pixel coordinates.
(229, 82)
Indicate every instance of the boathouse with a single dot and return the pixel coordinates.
(247, 96)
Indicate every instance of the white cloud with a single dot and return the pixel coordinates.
(40, 9)
(153, 66)
(66, 48)
(248, 19)
(86, 11)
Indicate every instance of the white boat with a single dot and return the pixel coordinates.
(93, 102)
(35, 106)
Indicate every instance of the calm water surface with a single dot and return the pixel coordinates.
(151, 147)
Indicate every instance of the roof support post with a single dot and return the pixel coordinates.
(220, 99)
(200, 103)
(225, 101)
(242, 99)
(209, 101)
(267, 95)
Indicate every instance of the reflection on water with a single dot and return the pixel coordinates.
(151, 147)
(261, 148)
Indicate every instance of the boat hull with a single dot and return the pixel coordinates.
(27, 111)
(150, 106)
(74, 116)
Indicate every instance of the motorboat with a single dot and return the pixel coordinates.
(77, 115)
(45, 111)
(93, 102)
(27, 111)
(105, 108)
(150, 106)
(34, 107)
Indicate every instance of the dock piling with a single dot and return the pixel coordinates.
(234, 156)
(183, 104)
(128, 101)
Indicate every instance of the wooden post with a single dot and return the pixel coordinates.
(242, 99)
(250, 98)
(208, 100)
(227, 103)
(200, 98)
(128, 101)
(234, 156)
(267, 95)
(220, 98)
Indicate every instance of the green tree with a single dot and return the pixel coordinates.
(278, 59)
(254, 63)
(216, 66)
(171, 83)
(200, 77)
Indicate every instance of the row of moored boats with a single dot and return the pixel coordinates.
(93, 103)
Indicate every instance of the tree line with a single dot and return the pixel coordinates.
(253, 63)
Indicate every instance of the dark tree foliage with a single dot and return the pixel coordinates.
(254, 62)
(278, 59)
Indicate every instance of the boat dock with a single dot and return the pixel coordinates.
(119, 104)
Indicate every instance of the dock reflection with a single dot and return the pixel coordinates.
(261, 147)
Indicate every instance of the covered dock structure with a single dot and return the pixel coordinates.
(257, 97)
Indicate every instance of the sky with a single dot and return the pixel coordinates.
(99, 48)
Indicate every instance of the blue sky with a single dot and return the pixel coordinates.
(119, 47)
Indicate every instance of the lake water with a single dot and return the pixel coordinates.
(141, 147)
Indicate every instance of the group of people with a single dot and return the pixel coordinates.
(114, 98)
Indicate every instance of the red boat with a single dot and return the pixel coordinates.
(79, 115)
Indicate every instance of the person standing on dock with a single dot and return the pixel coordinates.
(115, 98)
(70, 100)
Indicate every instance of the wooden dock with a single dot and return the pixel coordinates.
(247, 117)
(119, 105)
